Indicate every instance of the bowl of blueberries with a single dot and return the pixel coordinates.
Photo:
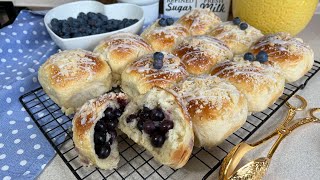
(84, 24)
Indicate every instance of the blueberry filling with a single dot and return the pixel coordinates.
(105, 132)
(153, 123)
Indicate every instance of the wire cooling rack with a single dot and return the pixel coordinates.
(135, 162)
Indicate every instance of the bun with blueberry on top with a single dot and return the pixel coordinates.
(163, 35)
(237, 35)
(291, 55)
(159, 69)
(261, 83)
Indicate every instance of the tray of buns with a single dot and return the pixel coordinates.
(168, 103)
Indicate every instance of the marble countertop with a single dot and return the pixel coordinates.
(298, 157)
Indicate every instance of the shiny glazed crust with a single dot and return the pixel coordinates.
(140, 76)
(239, 41)
(199, 21)
(164, 38)
(217, 109)
(177, 148)
(291, 55)
(84, 122)
(261, 84)
(121, 49)
(72, 77)
(201, 53)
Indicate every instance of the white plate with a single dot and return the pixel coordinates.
(113, 11)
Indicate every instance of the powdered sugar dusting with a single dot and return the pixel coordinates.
(226, 30)
(241, 70)
(281, 45)
(207, 90)
(172, 69)
(198, 46)
(68, 64)
(123, 42)
(201, 20)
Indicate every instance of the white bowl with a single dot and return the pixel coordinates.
(113, 11)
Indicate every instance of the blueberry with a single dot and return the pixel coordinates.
(108, 113)
(149, 127)
(169, 21)
(165, 126)
(91, 15)
(100, 126)
(92, 22)
(262, 57)
(113, 136)
(157, 114)
(103, 151)
(121, 25)
(236, 21)
(127, 24)
(162, 22)
(157, 140)
(146, 109)
(99, 22)
(131, 118)
(248, 56)
(158, 60)
(66, 29)
(117, 113)
(112, 124)
(55, 22)
(140, 125)
(243, 26)
(88, 31)
(81, 15)
(99, 138)
(125, 20)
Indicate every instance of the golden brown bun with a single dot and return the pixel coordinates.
(72, 77)
(261, 84)
(140, 76)
(199, 21)
(239, 41)
(201, 53)
(121, 49)
(217, 109)
(290, 54)
(84, 122)
(164, 38)
(177, 148)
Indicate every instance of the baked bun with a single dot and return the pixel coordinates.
(158, 122)
(140, 76)
(293, 57)
(72, 77)
(199, 21)
(201, 53)
(261, 84)
(216, 107)
(239, 41)
(121, 49)
(94, 133)
(164, 38)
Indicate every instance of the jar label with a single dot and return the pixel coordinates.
(177, 8)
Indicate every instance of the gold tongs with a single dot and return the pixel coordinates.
(257, 168)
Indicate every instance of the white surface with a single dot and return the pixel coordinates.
(298, 156)
(113, 11)
(150, 8)
(140, 2)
